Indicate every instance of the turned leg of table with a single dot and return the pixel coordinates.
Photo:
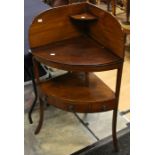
(41, 109)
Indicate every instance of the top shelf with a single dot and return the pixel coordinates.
(84, 17)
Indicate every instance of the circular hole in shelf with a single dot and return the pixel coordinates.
(52, 54)
(40, 20)
(83, 17)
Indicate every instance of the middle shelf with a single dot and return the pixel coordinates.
(70, 92)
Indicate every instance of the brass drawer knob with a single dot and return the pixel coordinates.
(70, 107)
(104, 107)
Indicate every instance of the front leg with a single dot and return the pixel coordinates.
(114, 130)
(41, 109)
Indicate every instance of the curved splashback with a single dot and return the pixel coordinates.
(56, 25)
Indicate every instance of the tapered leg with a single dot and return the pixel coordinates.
(31, 110)
(41, 108)
(35, 99)
(114, 133)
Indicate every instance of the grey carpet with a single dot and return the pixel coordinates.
(103, 148)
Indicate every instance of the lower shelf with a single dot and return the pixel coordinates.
(71, 93)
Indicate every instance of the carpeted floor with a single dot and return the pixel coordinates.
(105, 146)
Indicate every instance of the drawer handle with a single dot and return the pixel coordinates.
(104, 107)
(70, 107)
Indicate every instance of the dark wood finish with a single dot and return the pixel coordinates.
(35, 98)
(114, 121)
(41, 109)
(114, 132)
(76, 54)
(87, 78)
(106, 26)
(107, 31)
(53, 3)
(35, 75)
(31, 9)
(57, 41)
(70, 91)
(56, 22)
(118, 81)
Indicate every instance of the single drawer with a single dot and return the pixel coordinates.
(105, 106)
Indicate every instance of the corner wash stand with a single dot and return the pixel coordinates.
(81, 39)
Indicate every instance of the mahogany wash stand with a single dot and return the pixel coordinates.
(81, 39)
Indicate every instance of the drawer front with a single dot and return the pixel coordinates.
(106, 106)
(82, 108)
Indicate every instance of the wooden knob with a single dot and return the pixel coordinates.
(104, 107)
(70, 107)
